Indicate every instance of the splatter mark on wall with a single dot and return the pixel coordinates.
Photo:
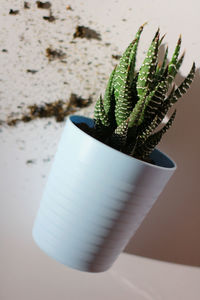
(53, 54)
(86, 32)
(26, 5)
(58, 109)
(50, 18)
(43, 5)
(13, 12)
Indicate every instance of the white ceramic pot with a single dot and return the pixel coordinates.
(95, 199)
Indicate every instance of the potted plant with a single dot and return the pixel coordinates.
(107, 174)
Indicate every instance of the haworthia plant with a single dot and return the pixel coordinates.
(136, 102)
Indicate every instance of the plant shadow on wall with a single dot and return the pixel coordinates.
(171, 230)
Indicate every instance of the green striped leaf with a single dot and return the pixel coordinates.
(184, 86)
(162, 68)
(109, 94)
(147, 108)
(123, 81)
(149, 129)
(133, 54)
(157, 99)
(126, 64)
(147, 69)
(143, 151)
(119, 137)
(172, 68)
(182, 89)
(124, 105)
(137, 115)
(100, 116)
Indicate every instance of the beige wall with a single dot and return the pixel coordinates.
(171, 230)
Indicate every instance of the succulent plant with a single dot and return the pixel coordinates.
(136, 102)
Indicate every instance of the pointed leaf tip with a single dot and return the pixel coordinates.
(179, 39)
(183, 54)
(157, 34)
(162, 38)
(133, 41)
(193, 68)
(145, 23)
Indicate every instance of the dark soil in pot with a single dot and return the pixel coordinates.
(91, 131)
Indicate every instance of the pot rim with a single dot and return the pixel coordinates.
(77, 119)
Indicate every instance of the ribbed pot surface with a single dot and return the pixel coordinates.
(95, 199)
